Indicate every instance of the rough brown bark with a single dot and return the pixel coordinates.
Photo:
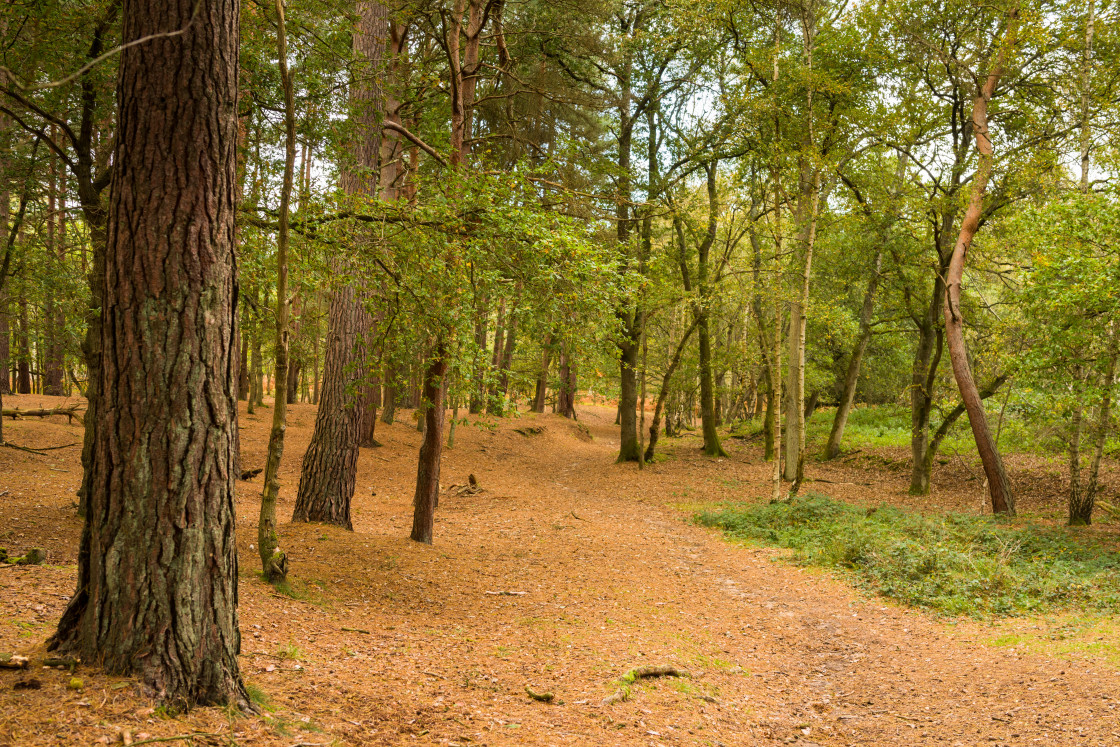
(157, 590)
(999, 486)
(330, 466)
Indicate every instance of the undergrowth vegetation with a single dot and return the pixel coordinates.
(952, 564)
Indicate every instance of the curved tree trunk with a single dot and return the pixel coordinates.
(1003, 502)
(157, 591)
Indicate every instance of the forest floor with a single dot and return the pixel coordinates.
(381, 641)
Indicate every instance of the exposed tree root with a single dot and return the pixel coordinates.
(471, 488)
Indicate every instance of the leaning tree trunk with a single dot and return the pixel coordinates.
(851, 376)
(663, 394)
(330, 466)
(157, 573)
(1003, 502)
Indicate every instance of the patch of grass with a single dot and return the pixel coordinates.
(952, 564)
(258, 697)
(290, 651)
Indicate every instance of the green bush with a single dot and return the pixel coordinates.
(954, 564)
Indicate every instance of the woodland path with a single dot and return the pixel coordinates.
(613, 576)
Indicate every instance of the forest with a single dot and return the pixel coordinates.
(592, 372)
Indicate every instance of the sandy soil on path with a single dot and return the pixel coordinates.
(386, 642)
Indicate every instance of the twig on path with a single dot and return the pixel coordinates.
(31, 450)
(356, 630)
(180, 738)
(638, 673)
(433, 674)
(576, 516)
(506, 593)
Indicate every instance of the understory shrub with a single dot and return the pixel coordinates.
(951, 563)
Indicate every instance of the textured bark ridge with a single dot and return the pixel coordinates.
(157, 590)
(330, 466)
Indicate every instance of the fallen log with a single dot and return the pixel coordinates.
(70, 411)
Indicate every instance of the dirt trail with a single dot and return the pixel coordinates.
(607, 574)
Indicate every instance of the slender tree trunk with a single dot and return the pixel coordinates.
(243, 376)
(507, 360)
(1081, 502)
(999, 486)
(663, 394)
(24, 346)
(478, 390)
(566, 394)
(427, 470)
(5, 327)
(542, 376)
(703, 312)
(157, 570)
(274, 562)
(851, 376)
(1100, 433)
(496, 360)
(927, 359)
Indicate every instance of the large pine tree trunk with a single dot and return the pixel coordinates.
(330, 466)
(157, 588)
(329, 470)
